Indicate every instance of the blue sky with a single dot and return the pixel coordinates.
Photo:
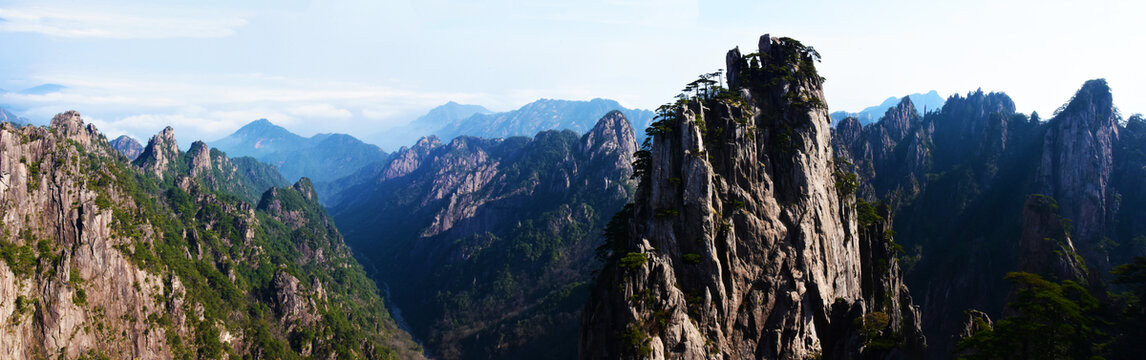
(208, 67)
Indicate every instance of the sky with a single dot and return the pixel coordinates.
(207, 67)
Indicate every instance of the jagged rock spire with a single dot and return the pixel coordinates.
(739, 245)
(1077, 163)
(160, 154)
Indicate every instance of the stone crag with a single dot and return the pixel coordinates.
(741, 243)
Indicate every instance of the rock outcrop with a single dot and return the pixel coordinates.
(739, 244)
(161, 153)
(884, 291)
(1045, 248)
(1077, 162)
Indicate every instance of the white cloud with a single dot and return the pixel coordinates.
(320, 111)
(378, 113)
(210, 107)
(78, 23)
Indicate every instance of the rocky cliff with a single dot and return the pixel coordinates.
(487, 244)
(161, 155)
(105, 260)
(890, 157)
(956, 182)
(740, 243)
(1076, 166)
(1045, 247)
(972, 209)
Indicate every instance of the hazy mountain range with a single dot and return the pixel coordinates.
(452, 120)
(930, 101)
(322, 157)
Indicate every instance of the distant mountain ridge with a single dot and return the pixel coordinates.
(923, 102)
(427, 124)
(127, 146)
(43, 89)
(7, 116)
(6, 110)
(451, 120)
(322, 157)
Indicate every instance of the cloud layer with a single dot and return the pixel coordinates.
(73, 23)
(211, 108)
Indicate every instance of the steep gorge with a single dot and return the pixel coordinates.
(487, 245)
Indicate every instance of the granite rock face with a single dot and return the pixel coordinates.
(102, 260)
(1046, 248)
(739, 244)
(161, 153)
(972, 166)
(46, 302)
(1076, 166)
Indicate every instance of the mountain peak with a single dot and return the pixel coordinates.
(257, 138)
(900, 119)
(1093, 101)
(168, 134)
(68, 122)
(306, 188)
(198, 146)
(613, 119)
(199, 158)
(709, 221)
(261, 122)
(611, 134)
(43, 89)
(160, 153)
(261, 127)
(1078, 163)
(127, 146)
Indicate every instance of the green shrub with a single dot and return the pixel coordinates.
(636, 341)
(872, 325)
(866, 212)
(633, 260)
(103, 201)
(691, 258)
(20, 259)
(80, 298)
